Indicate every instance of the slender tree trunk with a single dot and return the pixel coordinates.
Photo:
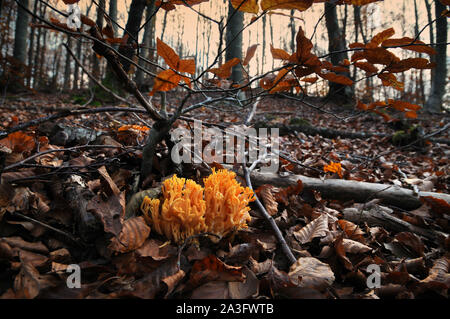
(234, 41)
(434, 102)
(137, 8)
(263, 57)
(95, 60)
(147, 42)
(113, 14)
(67, 68)
(30, 49)
(164, 23)
(20, 47)
(336, 42)
(293, 30)
(430, 27)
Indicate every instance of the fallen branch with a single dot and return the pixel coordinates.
(382, 216)
(332, 133)
(349, 190)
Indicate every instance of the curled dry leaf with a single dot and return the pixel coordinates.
(26, 284)
(266, 192)
(212, 269)
(18, 142)
(439, 272)
(412, 241)
(351, 230)
(311, 272)
(134, 233)
(354, 247)
(317, 228)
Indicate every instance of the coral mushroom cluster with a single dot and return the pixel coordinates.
(188, 209)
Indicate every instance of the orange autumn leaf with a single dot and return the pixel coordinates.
(415, 45)
(304, 46)
(411, 114)
(410, 63)
(301, 5)
(312, 79)
(224, 71)
(379, 56)
(333, 77)
(361, 106)
(18, 142)
(402, 106)
(187, 66)
(133, 127)
(279, 54)
(167, 53)
(249, 6)
(166, 81)
(85, 20)
(250, 53)
(389, 79)
(333, 168)
(366, 66)
(380, 37)
(173, 60)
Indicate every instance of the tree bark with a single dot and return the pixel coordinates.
(336, 42)
(434, 102)
(20, 47)
(137, 8)
(234, 41)
(349, 190)
(147, 42)
(99, 22)
(67, 68)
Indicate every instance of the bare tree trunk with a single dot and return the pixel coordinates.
(99, 22)
(137, 8)
(164, 25)
(430, 27)
(263, 57)
(113, 14)
(30, 49)
(67, 68)
(434, 102)
(147, 42)
(293, 30)
(336, 42)
(20, 47)
(234, 41)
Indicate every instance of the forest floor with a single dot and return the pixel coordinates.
(57, 209)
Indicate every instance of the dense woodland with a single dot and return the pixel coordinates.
(347, 98)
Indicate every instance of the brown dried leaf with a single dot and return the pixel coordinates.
(266, 192)
(317, 228)
(134, 233)
(311, 272)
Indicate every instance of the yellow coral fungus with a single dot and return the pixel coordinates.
(226, 203)
(188, 209)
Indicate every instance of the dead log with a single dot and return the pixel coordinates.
(349, 190)
(382, 216)
(332, 133)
